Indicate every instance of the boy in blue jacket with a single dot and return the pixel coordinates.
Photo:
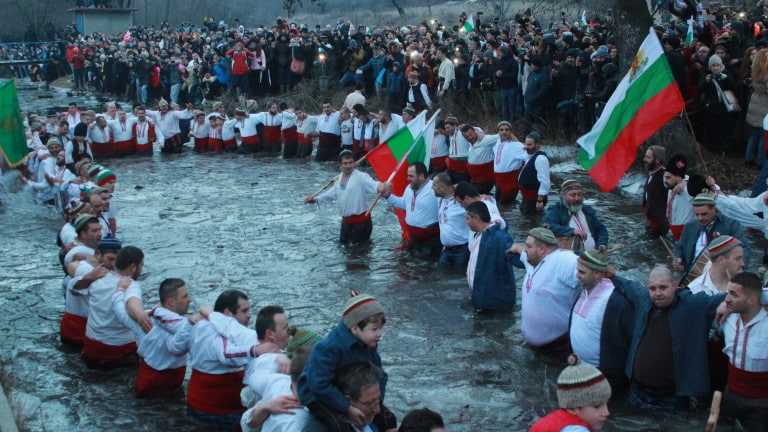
(354, 339)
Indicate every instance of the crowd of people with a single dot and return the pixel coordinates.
(655, 342)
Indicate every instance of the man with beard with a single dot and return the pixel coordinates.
(100, 138)
(655, 196)
(458, 150)
(534, 179)
(51, 174)
(350, 190)
(577, 223)
(420, 205)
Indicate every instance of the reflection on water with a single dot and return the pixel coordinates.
(231, 221)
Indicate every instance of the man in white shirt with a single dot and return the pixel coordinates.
(746, 344)
(329, 133)
(550, 288)
(422, 232)
(349, 190)
(454, 231)
(480, 157)
(509, 157)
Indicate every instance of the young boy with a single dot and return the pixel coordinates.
(582, 393)
(353, 340)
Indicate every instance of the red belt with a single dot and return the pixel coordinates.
(437, 163)
(230, 143)
(155, 383)
(215, 394)
(753, 385)
(250, 140)
(481, 172)
(356, 219)
(272, 134)
(421, 235)
(201, 144)
(457, 165)
(290, 135)
(99, 352)
(124, 146)
(677, 230)
(529, 193)
(73, 326)
(102, 149)
(215, 144)
(144, 148)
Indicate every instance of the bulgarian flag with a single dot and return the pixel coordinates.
(13, 140)
(469, 24)
(409, 144)
(689, 33)
(644, 101)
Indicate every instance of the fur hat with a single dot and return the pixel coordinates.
(677, 165)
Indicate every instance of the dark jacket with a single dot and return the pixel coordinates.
(494, 283)
(509, 68)
(558, 217)
(337, 350)
(538, 87)
(690, 318)
(618, 324)
(685, 248)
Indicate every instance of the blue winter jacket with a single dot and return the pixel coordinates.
(337, 350)
(494, 283)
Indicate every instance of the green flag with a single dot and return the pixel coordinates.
(13, 141)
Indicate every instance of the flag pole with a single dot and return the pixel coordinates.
(336, 177)
(401, 163)
(695, 140)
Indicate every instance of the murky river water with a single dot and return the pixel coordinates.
(232, 221)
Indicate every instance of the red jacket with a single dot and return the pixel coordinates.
(240, 61)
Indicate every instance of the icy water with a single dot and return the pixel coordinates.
(231, 221)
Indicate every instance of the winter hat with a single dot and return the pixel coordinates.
(673, 41)
(217, 105)
(36, 127)
(703, 199)
(359, 307)
(503, 123)
(82, 220)
(73, 210)
(581, 385)
(302, 338)
(677, 165)
(104, 177)
(353, 44)
(81, 130)
(109, 243)
(452, 120)
(162, 102)
(504, 49)
(602, 51)
(53, 141)
(543, 235)
(537, 61)
(594, 259)
(715, 60)
(570, 184)
(572, 52)
(409, 110)
(94, 169)
(534, 136)
(721, 245)
(80, 165)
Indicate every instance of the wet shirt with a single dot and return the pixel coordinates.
(746, 344)
(453, 228)
(587, 322)
(352, 195)
(103, 324)
(420, 206)
(167, 344)
(508, 156)
(481, 152)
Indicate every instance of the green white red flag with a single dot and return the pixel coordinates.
(469, 24)
(689, 33)
(411, 143)
(645, 100)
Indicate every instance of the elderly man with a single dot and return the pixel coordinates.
(534, 179)
(667, 362)
(699, 233)
(576, 225)
(480, 157)
(550, 288)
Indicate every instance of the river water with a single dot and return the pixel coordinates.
(233, 221)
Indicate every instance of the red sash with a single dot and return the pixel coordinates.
(437, 163)
(103, 149)
(249, 141)
(753, 385)
(126, 146)
(215, 394)
(215, 144)
(230, 143)
(152, 383)
(144, 148)
(356, 148)
(355, 219)
(529, 194)
(457, 165)
(507, 183)
(201, 144)
(482, 173)
(677, 230)
(72, 327)
(290, 135)
(305, 139)
(98, 352)
(272, 134)
(418, 235)
(151, 138)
